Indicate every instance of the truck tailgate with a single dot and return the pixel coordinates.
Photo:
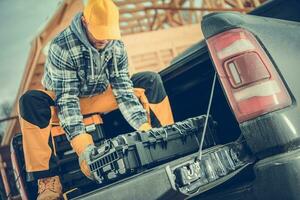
(218, 164)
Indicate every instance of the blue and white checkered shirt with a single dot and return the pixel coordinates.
(73, 71)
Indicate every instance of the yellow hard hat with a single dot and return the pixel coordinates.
(102, 18)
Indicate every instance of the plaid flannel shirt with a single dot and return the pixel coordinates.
(70, 74)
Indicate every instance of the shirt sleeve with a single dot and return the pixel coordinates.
(64, 82)
(122, 87)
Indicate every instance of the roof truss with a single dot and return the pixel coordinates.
(146, 15)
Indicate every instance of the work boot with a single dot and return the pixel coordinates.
(49, 188)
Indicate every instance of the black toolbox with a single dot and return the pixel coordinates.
(133, 152)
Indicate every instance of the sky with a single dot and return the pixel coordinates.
(20, 21)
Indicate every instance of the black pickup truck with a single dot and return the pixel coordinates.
(255, 58)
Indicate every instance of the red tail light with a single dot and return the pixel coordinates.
(252, 84)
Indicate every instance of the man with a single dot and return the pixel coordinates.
(86, 63)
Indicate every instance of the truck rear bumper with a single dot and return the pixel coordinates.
(278, 177)
(181, 178)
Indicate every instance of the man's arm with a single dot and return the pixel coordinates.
(122, 88)
(62, 75)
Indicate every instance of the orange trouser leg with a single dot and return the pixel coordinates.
(37, 151)
(35, 117)
(91, 104)
(163, 112)
(156, 97)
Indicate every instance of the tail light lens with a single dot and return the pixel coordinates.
(251, 83)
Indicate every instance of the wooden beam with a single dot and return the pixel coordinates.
(222, 3)
(126, 2)
(154, 20)
(160, 21)
(256, 3)
(4, 178)
(178, 4)
(8, 119)
(199, 9)
(170, 20)
(207, 3)
(231, 3)
(168, 17)
(239, 4)
(148, 15)
(192, 14)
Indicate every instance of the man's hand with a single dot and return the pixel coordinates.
(84, 159)
(145, 127)
(84, 146)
